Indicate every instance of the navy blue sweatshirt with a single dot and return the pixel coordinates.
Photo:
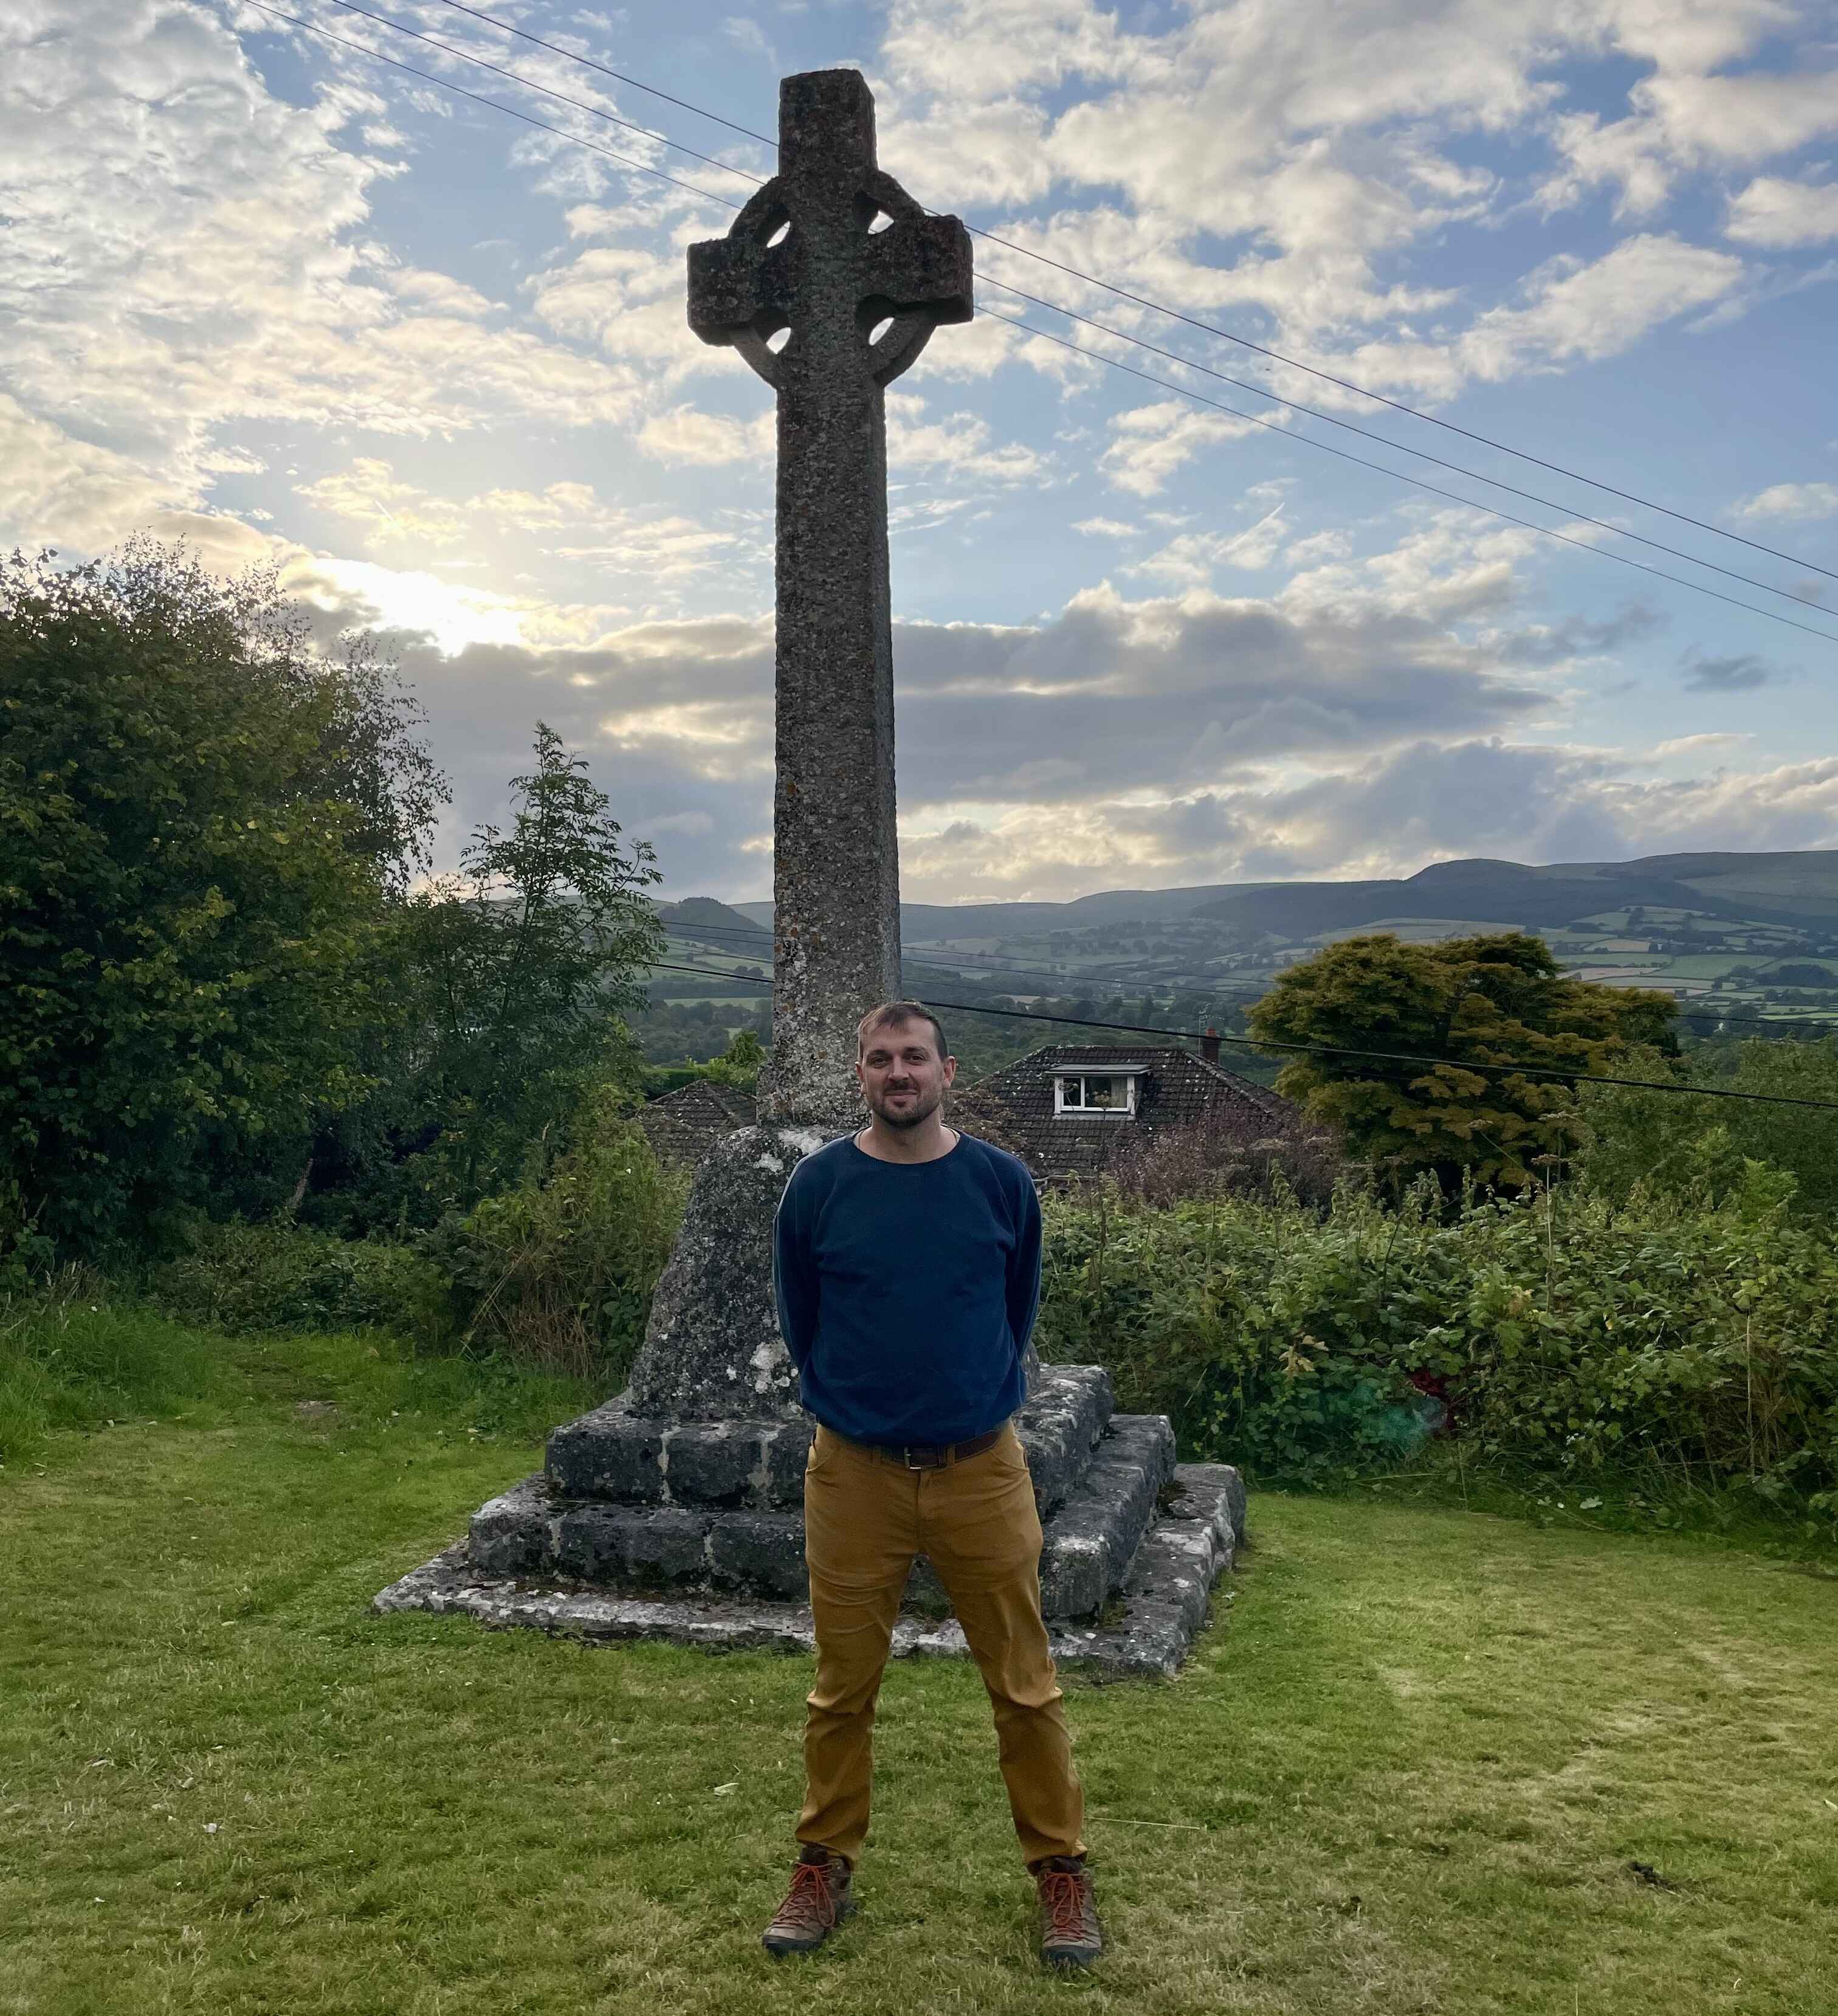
(907, 1290)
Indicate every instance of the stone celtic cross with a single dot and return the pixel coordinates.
(829, 283)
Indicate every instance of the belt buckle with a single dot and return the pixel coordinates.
(914, 1450)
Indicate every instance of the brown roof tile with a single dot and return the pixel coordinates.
(1013, 1108)
(684, 1124)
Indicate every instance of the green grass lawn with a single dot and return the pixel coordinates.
(1424, 1761)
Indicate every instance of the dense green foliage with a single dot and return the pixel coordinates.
(557, 1270)
(1660, 1144)
(514, 974)
(1494, 999)
(201, 825)
(1565, 1331)
(223, 990)
(561, 1272)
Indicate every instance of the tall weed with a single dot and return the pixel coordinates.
(560, 1273)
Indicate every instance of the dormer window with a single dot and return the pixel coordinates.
(1095, 1093)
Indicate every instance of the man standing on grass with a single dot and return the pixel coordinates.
(907, 1262)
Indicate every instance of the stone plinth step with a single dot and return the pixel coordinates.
(1087, 1543)
(1067, 1409)
(1163, 1600)
(634, 1459)
(1090, 1541)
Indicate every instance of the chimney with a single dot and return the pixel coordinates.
(1209, 1046)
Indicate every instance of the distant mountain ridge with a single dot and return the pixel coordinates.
(1799, 889)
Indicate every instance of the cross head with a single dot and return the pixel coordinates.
(831, 278)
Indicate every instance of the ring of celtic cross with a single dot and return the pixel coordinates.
(831, 279)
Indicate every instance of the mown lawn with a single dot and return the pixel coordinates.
(1425, 1761)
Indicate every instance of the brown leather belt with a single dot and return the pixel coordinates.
(928, 1456)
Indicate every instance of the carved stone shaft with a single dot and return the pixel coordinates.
(829, 282)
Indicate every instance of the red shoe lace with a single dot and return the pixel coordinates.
(809, 1898)
(1063, 1894)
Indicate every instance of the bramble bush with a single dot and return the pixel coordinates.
(556, 1272)
(278, 1276)
(559, 1273)
(1564, 1332)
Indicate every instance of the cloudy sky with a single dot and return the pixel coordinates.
(263, 293)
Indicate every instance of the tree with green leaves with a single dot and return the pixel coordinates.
(1494, 999)
(522, 961)
(201, 822)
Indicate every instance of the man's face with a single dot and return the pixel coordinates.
(902, 1076)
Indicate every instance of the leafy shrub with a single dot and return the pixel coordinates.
(1563, 1331)
(560, 1273)
(1656, 1143)
(245, 1278)
(1232, 1150)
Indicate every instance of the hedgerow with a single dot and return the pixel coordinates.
(1565, 1331)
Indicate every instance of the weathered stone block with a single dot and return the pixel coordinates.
(609, 1453)
(1090, 1541)
(511, 1534)
(713, 1463)
(712, 1349)
(785, 1457)
(614, 1453)
(760, 1551)
(647, 1546)
(1066, 1410)
(1211, 1490)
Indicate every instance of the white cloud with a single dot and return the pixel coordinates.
(688, 435)
(1192, 558)
(1575, 312)
(957, 445)
(1150, 444)
(1774, 211)
(183, 256)
(1792, 500)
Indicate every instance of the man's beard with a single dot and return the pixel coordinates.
(920, 1110)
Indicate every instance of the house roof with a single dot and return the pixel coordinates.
(684, 1124)
(1013, 1108)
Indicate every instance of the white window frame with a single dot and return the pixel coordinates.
(1062, 1080)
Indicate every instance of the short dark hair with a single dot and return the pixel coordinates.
(890, 1015)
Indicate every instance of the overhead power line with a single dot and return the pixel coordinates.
(1057, 307)
(1193, 321)
(1385, 441)
(1215, 986)
(446, 84)
(574, 55)
(1404, 476)
(1479, 1070)
(561, 97)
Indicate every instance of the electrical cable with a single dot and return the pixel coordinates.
(1079, 349)
(446, 84)
(574, 55)
(561, 97)
(1193, 982)
(1402, 476)
(1385, 441)
(1208, 329)
(1477, 1069)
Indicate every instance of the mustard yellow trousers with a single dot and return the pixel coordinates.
(866, 1516)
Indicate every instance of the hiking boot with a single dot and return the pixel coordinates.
(1069, 1933)
(817, 1901)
